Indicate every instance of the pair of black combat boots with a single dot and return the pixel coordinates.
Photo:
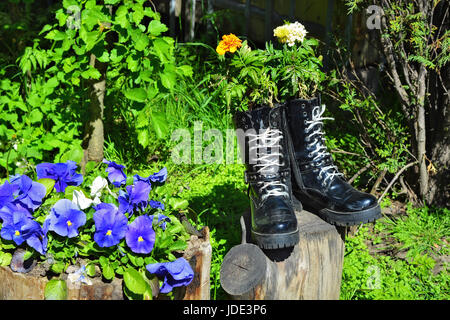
(285, 156)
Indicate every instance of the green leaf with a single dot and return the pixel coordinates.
(90, 270)
(155, 28)
(58, 267)
(136, 94)
(108, 271)
(55, 289)
(178, 204)
(143, 137)
(74, 154)
(48, 184)
(5, 259)
(91, 73)
(103, 261)
(35, 116)
(134, 281)
(141, 40)
(159, 123)
(168, 79)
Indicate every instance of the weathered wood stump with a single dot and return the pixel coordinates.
(311, 270)
(22, 286)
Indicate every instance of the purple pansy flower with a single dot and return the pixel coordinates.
(64, 174)
(65, 218)
(17, 225)
(115, 173)
(6, 193)
(136, 197)
(175, 274)
(27, 193)
(110, 225)
(140, 236)
(38, 240)
(156, 204)
(162, 218)
(159, 176)
(137, 178)
(7, 211)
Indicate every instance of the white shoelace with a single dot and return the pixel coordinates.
(268, 162)
(320, 150)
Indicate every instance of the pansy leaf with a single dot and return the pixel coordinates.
(134, 281)
(48, 184)
(5, 259)
(108, 271)
(55, 289)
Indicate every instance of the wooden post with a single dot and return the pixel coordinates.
(311, 270)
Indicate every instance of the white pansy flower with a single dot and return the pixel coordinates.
(97, 186)
(81, 200)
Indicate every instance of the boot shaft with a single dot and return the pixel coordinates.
(263, 147)
(261, 135)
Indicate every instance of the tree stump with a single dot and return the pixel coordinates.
(311, 270)
(23, 286)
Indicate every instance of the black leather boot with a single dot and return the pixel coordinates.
(318, 184)
(262, 141)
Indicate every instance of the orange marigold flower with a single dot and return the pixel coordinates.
(229, 43)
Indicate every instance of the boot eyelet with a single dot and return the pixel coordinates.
(304, 122)
(304, 113)
(303, 106)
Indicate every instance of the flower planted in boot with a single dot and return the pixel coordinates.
(262, 143)
(318, 184)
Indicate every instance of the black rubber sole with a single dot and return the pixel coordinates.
(276, 241)
(350, 218)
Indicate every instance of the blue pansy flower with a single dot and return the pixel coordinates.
(135, 198)
(110, 225)
(140, 236)
(175, 274)
(17, 225)
(64, 174)
(115, 173)
(27, 193)
(6, 193)
(65, 218)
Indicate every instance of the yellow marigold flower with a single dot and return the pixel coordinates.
(229, 43)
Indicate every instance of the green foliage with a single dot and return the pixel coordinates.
(276, 74)
(375, 135)
(296, 70)
(371, 275)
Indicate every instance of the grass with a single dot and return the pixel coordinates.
(400, 257)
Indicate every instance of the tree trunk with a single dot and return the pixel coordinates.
(439, 135)
(93, 133)
(310, 270)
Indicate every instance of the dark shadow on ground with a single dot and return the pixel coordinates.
(220, 210)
